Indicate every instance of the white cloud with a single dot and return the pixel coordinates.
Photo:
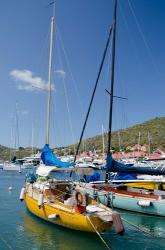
(60, 73)
(28, 81)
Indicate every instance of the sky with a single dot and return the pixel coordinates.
(81, 31)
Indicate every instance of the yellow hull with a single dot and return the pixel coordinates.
(66, 216)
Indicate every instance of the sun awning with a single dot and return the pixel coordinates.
(46, 170)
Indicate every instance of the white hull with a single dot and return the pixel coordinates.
(11, 167)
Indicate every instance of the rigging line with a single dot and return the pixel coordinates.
(66, 97)
(50, 4)
(70, 72)
(40, 66)
(141, 229)
(137, 227)
(6, 243)
(143, 37)
(108, 67)
(69, 68)
(44, 45)
(130, 37)
(93, 94)
(116, 95)
(140, 215)
(106, 80)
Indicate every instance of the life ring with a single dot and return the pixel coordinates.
(81, 200)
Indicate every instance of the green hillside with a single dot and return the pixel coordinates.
(7, 153)
(128, 137)
(153, 129)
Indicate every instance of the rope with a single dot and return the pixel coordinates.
(98, 234)
(5, 242)
(137, 227)
(66, 98)
(143, 37)
(142, 229)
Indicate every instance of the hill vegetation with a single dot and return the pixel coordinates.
(152, 130)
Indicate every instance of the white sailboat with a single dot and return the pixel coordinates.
(13, 164)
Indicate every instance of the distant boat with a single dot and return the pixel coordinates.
(11, 166)
(30, 162)
(1, 164)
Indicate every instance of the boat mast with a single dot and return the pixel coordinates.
(103, 143)
(112, 78)
(32, 142)
(49, 80)
(149, 144)
(139, 142)
(112, 87)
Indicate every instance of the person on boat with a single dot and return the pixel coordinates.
(81, 206)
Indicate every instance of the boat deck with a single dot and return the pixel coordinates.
(127, 193)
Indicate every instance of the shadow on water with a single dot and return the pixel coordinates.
(44, 235)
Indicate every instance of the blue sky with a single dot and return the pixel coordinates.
(82, 28)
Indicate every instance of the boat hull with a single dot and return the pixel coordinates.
(11, 167)
(130, 202)
(65, 217)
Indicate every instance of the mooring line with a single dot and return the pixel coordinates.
(143, 230)
(5, 242)
(104, 242)
(140, 215)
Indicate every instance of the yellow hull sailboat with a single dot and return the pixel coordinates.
(62, 215)
(65, 203)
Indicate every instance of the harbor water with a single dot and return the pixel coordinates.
(19, 229)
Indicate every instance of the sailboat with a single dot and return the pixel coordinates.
(125, 191)
(63, 202)
(13, 164)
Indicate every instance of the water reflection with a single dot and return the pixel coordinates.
(153, 225)
(43, 235)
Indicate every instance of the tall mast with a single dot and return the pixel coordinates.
(49, 80)
(16, 127)
(103, 143)
(32, 142)
(149, 144)
(112, 78)
(139, 142)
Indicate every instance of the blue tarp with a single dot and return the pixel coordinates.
(125, 176)
(49, 159)
(90, 178)
(114, 166)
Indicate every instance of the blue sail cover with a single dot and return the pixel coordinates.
(114, 166)
(125, 176)
(49, 159)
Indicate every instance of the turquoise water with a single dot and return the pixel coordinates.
(21, 230)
